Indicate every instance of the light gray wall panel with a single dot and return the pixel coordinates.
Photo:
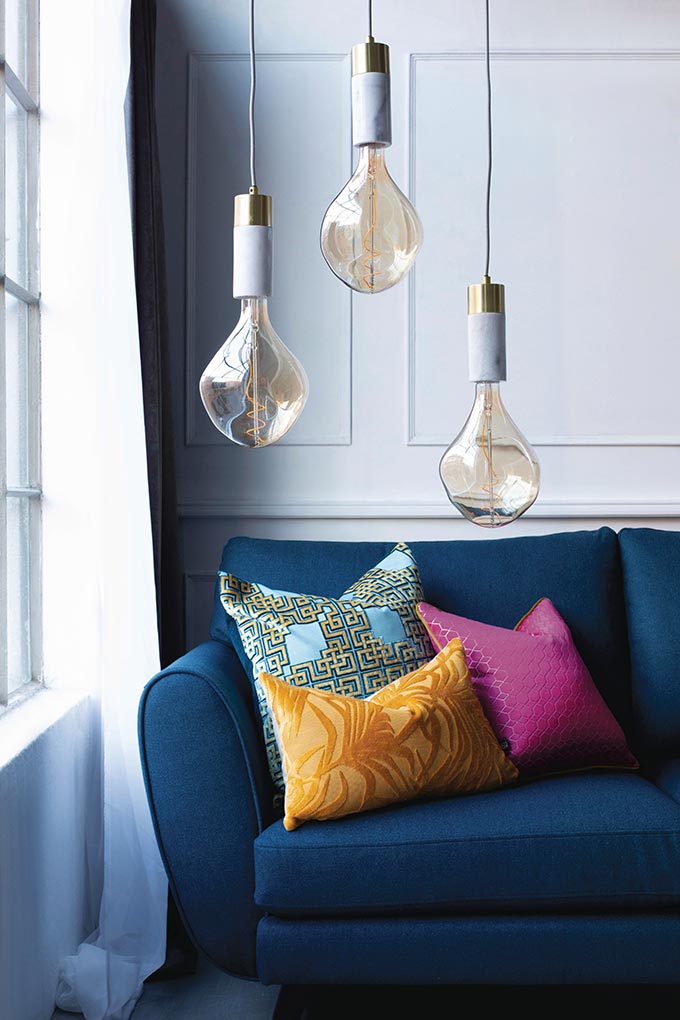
(586, 149)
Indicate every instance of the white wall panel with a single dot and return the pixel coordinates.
(585, 158)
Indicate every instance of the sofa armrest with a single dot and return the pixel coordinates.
(210, 795)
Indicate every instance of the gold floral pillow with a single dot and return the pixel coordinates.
(423, 735)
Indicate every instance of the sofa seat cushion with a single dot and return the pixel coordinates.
(590, 840)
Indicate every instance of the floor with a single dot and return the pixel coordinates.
(208, 995)
(213, 995)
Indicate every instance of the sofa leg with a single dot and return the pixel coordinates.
(291, 1004)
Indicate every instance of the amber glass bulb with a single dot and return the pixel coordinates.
(254, 389)
(490, 471)
(371, 233)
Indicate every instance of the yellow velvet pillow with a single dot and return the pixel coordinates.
(425, 734)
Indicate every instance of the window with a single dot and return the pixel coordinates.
(20, 659)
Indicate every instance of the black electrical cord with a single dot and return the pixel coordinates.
(490, 145)
(251, 108)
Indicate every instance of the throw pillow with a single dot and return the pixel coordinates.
(536, 691)
(422, 735)
(351, 645)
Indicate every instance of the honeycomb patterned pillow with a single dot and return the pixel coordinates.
(536, 691)
(352, 645)
(424, 735)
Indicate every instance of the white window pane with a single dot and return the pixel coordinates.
(15, 190)
(16, 369)
(18, 603)
(15, 36)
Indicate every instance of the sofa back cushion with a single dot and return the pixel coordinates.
(651, 573)
(493, 581)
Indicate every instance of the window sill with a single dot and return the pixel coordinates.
(24, 723)
(21, 696)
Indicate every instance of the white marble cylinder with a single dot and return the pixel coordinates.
(252, 261)
(371, 110)
(486, 347)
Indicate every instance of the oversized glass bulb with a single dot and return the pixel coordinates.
(371, 233)
(254, 388)
(490, 472)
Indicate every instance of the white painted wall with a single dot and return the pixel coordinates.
(46, 899)
(586, 220)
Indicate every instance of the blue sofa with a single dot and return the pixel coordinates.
(571, 879)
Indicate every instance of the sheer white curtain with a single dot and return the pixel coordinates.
(96, 484)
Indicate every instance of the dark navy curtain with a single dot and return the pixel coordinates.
(149, 249)
(152, 313)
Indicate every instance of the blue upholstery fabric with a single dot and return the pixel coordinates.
(595, 840)
(210, 795)
(667, 778)
(651, 568)
(496, 582)
(506, 887)
(506, 950)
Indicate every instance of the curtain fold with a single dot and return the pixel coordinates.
(152, 316)
(104, 978)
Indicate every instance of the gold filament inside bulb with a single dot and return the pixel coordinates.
(371, 252)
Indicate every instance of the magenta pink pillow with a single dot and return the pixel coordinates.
(536, 691)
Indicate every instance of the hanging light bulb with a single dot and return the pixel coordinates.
(490, 472)
(371, 233)
(254, 389)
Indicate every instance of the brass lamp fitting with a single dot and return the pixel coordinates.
(486, 297)
(370, 56)
(253, 209)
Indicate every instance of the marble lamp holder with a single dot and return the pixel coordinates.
(371, 108)
(252, 245)
(486, 332)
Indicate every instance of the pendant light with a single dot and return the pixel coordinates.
(254, 389)
(371, 233)
(490, 471)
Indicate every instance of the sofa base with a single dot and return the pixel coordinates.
(576, 949)
(361, 1002)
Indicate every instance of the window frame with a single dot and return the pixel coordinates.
(25, 94)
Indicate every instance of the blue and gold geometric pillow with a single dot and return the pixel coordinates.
(353, 645)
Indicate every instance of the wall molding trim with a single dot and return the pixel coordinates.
(415, 438)
(541, 53)
(423, 439)
(192, 403)
(418, 510)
